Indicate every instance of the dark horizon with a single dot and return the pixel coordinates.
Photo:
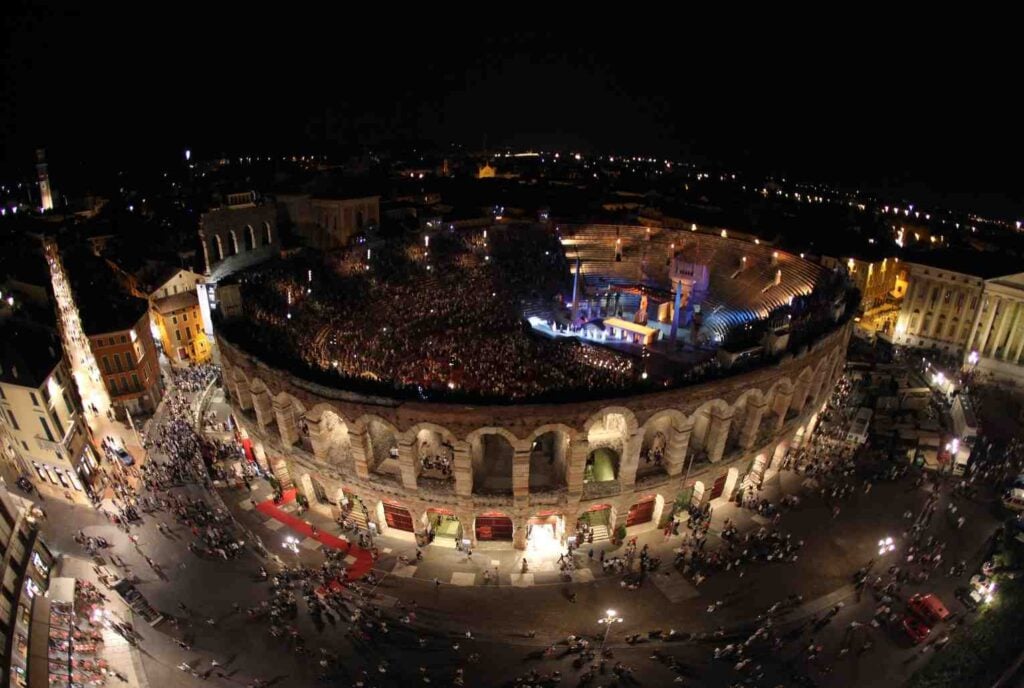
(921, 119)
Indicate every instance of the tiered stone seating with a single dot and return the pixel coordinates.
(732, 298)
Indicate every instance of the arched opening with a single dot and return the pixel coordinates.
(250, 238)
(314, 490)
(646, 511)
(595, 524)
(267, 237)
(395, 519)
(442, 527)
(798, 437)
(492, 455)
(544, 534)
(216, 249)
(654, 447)
(607, 439)
(436, 455)
(234, 242)
(602, 466)
(382, 445)
(755, 477)
(549, 460)
(334, 435)
(493, 526)
(700, 436)
(779, 456)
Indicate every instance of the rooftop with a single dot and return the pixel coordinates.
(28, 352)
(984, 264)
(103, 302)
(176, 302)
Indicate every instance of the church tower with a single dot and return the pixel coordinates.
(45, 197)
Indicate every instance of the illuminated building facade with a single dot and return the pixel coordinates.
(25, 566)
(42, 428)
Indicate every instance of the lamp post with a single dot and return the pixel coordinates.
(886, 545)
(610, 617)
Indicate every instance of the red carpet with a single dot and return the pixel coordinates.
(355, 570)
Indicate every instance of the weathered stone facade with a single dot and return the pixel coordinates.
(529, 460)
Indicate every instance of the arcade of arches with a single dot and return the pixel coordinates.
(630, 462)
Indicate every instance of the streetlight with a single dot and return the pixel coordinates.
(291, 543)
(610, 617)
(886, 545)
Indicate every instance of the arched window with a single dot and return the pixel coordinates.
(216, 249)
(234, 243)
(268, 239)
(250, 238)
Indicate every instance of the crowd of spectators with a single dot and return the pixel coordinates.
(447, 321)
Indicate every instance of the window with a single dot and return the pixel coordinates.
(135, 382)
(14, 421)
(184, 317)
(974, 302)
(106, 365)
(35, 399)
(174, 319)
(24, 444)
(177, 336)
(68, 405)
(117, 362)
(46, 429)
(124, 339)
(56, 424)
(124, 383)
(129, 359)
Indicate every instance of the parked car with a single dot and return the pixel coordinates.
(916, 629)
(126, 458)
(928, 607)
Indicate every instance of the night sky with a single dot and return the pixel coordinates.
(908, 108)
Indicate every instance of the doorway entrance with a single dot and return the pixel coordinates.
(544, 534)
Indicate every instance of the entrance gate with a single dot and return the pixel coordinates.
(493, 527)
(398, 517)
(641, 512)
(719, 486)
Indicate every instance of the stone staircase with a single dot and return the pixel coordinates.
(601, 534)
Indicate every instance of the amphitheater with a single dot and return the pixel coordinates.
(524, 475)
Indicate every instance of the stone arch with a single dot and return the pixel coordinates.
(289, 412)
(550, 456)
(663, 443)
(801, 389)
(234, 242)
(240, 389)
(779, 455)
(268, 237)
(629, 421)
(329, 434)
(741, 411)
(702, 421)
(249, 235)
(380, 445)
(216, 248)
(262, 402)
(779, 397)
(433, 450)
(492, 453)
